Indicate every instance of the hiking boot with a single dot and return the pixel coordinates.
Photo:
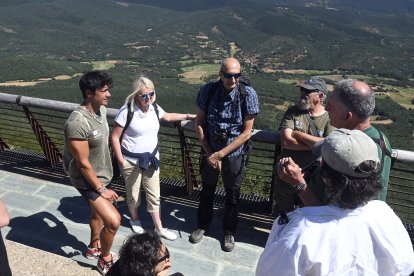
(136, 226)
(228, 245)
(167, 234)
(197, 235)
(103, 267)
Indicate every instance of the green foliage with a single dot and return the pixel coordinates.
(288, 35)
(28, 69)
(400, 132)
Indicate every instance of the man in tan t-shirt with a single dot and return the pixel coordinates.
(87, 161)
(303, 124)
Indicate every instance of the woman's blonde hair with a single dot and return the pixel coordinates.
(138, 84)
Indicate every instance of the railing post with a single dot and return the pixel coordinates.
(3, 145)
(51, 152)
(274, 178)
(189, 174)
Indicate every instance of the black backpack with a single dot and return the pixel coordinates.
(115, 167)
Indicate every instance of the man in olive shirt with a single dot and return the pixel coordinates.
(87, 161)
(302, 126)
(350, 106)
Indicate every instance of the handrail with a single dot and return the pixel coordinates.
(269, 137)
(34, 124)
(42, 125)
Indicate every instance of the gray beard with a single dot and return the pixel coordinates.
(303, 104)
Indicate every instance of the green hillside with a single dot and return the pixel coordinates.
(46, 44)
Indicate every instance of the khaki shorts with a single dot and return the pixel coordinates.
(134, 176)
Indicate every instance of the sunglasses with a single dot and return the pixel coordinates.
(229, 76)
(165, 257)
(307, 91)
(147, 95)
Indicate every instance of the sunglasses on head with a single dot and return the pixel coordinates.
(165, 257)
(147, 95)
(308, 91)
(229, 76)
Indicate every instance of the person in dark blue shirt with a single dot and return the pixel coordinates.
(224, 123)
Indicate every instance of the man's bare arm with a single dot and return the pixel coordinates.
(305, 138)
(236, 143)
(80, 152)
(287, 141)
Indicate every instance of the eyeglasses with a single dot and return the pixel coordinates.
(165, 257)
(307, 91)
(147, 95)
(229, 76)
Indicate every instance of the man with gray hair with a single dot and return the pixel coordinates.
(353, 235)
(350, 106)
(302, 125)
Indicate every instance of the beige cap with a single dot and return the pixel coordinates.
(344, 149)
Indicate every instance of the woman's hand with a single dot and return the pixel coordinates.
(191, 116)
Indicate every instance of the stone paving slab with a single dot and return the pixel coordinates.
(53, 218)
(26, 260)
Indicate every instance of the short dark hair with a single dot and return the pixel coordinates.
(361, 104)
(139, 254)
(93, 80)
(350, 192)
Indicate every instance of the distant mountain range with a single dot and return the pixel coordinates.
(46, 44)
(369, 36)
(387, 6)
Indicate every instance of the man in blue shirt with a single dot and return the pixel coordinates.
(223, 125)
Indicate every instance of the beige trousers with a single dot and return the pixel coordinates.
(134, 176)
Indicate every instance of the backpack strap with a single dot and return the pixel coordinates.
(248, 145)
(128, 121)
(381, 143)
(242, 94)
(156, 110)
(131, 115)
(211, 92)
(243, 82)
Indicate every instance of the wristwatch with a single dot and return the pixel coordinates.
(300, 187)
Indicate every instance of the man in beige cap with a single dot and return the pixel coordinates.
(353, 235)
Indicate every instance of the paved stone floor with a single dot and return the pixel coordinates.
(50, 216)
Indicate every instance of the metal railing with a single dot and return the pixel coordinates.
(37, 124)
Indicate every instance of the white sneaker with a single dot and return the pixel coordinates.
(166, 234)
(136, 226)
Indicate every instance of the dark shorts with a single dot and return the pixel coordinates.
(89, 194)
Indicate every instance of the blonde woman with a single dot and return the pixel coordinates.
(137, 152)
